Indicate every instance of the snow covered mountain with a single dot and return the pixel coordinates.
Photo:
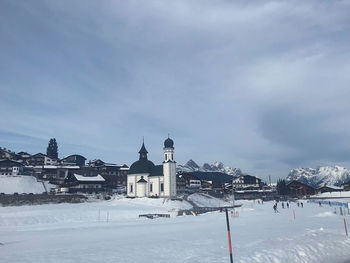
(326, 175)
(192, 166)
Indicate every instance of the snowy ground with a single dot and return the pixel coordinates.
(81, 233)
(22, 184)
(334, 194)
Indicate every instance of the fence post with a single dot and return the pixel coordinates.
(346, 229)
(229, 235)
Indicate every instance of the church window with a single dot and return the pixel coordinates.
(131, 190)
(162, 187)
(171, 156)
(166, 157)
(151, 187)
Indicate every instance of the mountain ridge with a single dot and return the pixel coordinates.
(192, 166)
(322, 175)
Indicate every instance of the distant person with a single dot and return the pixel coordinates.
(298, 204)
(275, 207)
(319, 203)
(282, 205)
(302, 204)
(329, 202)
(287, 205)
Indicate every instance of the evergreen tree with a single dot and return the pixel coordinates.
(52, 149)
(282, 188)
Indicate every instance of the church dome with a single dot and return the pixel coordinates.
(141, 166)
(168, 143)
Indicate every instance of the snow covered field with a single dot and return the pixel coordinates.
(22, 184)
(81, 233)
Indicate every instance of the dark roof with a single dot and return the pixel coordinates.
(157, 171)
(141, 166)
(248, 176)
(143, 149)
(168, 143)
(22, 153)
(77, 155)
(295, 182)
(142, 180)
(39, 154)
(8, 162)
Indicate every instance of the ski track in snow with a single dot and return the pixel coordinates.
(81, 233)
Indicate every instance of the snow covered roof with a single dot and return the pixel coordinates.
(50, 166)
(58, 166)
(81, 178)
(332, 187)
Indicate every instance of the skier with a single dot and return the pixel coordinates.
(287, 205)
(282, 205)
(319, 203)
(298, 204)
(275, 207)
(302, 205)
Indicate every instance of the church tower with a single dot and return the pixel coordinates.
(169, 169)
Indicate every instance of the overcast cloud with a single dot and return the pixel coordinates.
(259, 85)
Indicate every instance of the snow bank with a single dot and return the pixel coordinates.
(334, 194)
(203, 200)
(325, 214)
(21, 184)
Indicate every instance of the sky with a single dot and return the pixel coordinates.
(259, 85)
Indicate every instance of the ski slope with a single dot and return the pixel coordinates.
(22, 184)
(111, 231)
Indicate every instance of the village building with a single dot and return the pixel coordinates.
(6, 154)
(40, 159)
(296, 188)
(246, 182)
(148, 180)
(59, 174)
(74, 160)
(114, 174)
(10, 167)
(76, 183)
(204, 180)
(329, 189)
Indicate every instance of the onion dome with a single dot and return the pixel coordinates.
(168, 143)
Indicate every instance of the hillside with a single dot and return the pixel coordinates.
(192, 166)
(22, 184)
(325, 175)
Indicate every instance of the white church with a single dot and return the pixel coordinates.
(148, 180)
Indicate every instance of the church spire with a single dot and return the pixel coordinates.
(143, 152)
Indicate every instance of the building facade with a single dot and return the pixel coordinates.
(246, 181)
(10, 167)
(148, 180)
(74, 160)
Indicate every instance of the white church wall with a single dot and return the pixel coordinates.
(141, 189)
(131, 183)
(173, 180)
(169, 170)
(132, 180)
(166, 172)
(154, 180)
